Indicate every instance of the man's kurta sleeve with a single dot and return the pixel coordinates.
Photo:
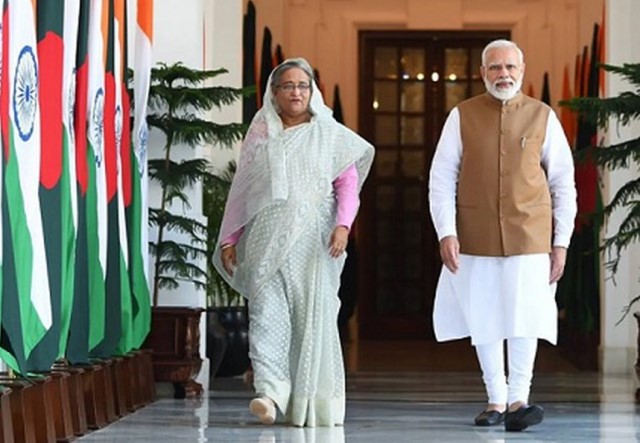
(443, 178)
(557, 161)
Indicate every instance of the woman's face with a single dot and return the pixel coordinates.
(293, 93)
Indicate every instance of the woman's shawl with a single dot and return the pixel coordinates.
(275, 168)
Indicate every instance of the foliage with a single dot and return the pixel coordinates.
(622, 109)
(216, 190)
(180, 98)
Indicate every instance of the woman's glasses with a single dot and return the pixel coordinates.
(290, 87)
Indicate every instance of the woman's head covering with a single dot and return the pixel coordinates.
(269, 111)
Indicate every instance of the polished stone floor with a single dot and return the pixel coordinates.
(397, 407)
(403, 391)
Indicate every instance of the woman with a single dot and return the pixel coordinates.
(282, 241)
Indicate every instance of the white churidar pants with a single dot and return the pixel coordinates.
(521, 354)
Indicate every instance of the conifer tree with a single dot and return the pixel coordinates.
(619, 110)
(181, 99)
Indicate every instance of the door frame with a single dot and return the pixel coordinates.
(372, 324)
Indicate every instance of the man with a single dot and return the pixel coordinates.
(503, 202)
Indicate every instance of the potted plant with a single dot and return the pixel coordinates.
(227, 318)
(180, 99)
(623, 108)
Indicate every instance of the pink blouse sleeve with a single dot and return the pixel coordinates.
(346, 189)
(233, 238)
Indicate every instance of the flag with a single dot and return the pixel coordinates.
(249, 104)
(601, 50)
(69, 197)
(96, 196)
(316, 77)
(586, 172)
(123, 176)
(531, 92)
(3, 92)
(279, 56)
(80, 333)
(567, 116)
(137, 212)
(546, 94)
(577, 88)
(584, 72)
(26, 313)
(50, 56)
(108, 177)
(266, 61)
(578, 291)
(337, 105)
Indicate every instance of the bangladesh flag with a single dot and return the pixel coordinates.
(26, 305)
(79, 328)
(69, 198)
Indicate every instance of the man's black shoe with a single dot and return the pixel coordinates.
(524, 417)
(489, 418)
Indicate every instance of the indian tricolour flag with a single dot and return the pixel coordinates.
(138, 215)
(21, 180)
(50, 18)
(96, 200)
(113, 273)
(123, 138)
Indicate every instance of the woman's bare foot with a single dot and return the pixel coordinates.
(264, 409)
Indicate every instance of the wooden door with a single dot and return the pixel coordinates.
(409, 81)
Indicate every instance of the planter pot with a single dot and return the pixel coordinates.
(174, 340)
(234, 320)
(216, 341)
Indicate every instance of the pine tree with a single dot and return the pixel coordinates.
(215, 193)
(621, 109)
(181, 98)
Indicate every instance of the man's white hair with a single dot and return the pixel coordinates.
(501, 44)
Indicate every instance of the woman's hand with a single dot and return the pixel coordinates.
(229, 260)
(339, 240)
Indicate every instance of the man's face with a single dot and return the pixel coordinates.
(502, 73)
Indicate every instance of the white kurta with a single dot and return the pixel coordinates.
(493, 298)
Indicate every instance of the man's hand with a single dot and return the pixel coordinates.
(558, 259)
(229, 260)
(339, 240)
(450, 253)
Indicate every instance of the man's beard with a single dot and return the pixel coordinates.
(503, 94)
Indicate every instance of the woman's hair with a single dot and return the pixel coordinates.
(501, 44)
(289, 64)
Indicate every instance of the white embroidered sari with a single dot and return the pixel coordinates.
(283, 196)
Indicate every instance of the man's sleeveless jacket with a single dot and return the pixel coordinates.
(503, 200)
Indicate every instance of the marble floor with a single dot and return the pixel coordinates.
(397, 407)
(403, 391)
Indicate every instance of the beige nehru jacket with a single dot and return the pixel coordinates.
(503, 200)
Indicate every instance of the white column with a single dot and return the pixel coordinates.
(618, 343)
(179, 29)
(178, 37)
(223, 49)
